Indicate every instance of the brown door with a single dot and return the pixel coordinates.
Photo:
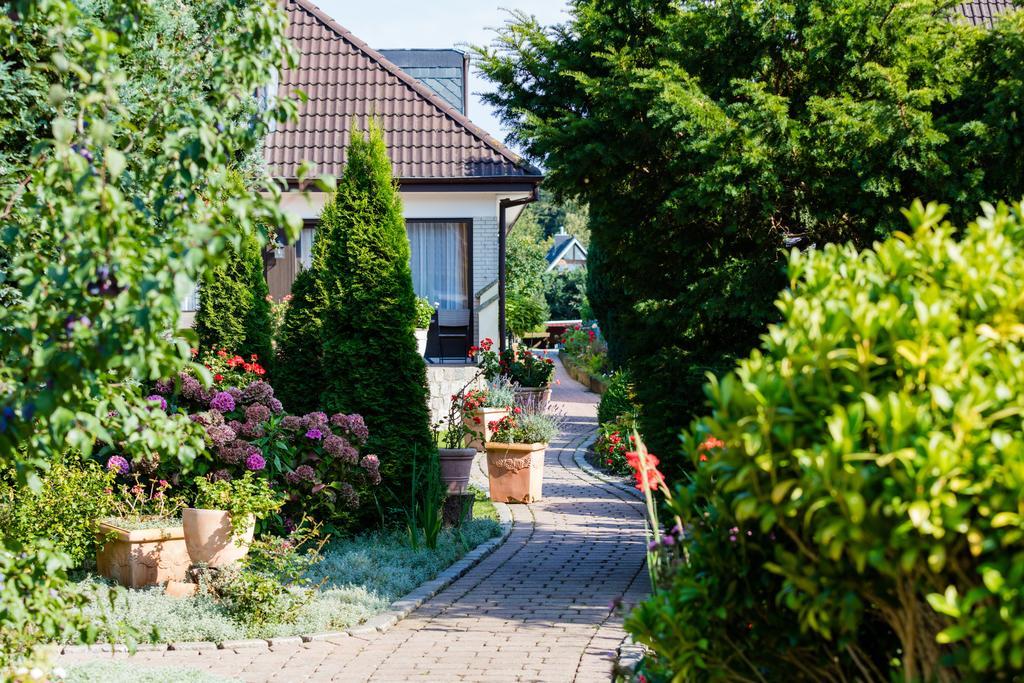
(281, 272)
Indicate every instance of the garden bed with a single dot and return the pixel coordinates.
(596, 383)
(361, 578)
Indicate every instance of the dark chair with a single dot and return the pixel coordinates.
(453, 328)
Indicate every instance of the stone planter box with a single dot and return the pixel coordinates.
(483, 432)
(515, 471)
(211, 540)
(137, 558)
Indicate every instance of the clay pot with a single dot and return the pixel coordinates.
(141, 557)
(211, 540)
(456, 464)
(421, 341)
(536, 397)
(515, 471)
(482, 433)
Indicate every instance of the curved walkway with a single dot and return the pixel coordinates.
(536, 609)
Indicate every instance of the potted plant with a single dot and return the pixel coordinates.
(424, 315)
(143, 542)
(515, 458)
(481, 407)
(530, 372)
(456, 459)
(220, 528)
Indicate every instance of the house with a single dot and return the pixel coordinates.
(462, 190)
(567, 253)
(984, 12)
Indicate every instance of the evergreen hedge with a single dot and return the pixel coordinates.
(234, 312)
(298, 379)
(370, 361)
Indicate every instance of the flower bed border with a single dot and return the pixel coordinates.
(595, 383)
(396, 612)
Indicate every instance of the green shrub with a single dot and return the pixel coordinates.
(566, 293)
(872, 468)
(299, 378)
(424, 312)
(234, 312)
(370, 361)
(619, 398)
(74, 494)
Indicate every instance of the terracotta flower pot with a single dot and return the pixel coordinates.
(482, 432)
(421, 341)
(211, 540)
(515, 471)
(141, 557)
(456, 464)
(537, 397)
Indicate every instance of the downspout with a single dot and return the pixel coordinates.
(503, 205)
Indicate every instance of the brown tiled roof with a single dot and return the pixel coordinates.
(983, 12)
(346, 82)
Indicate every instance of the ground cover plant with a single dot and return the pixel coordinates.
(854, 508)
(356, 579)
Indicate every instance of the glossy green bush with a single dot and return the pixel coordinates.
(73, 495)
(619, 399)
(874, 454)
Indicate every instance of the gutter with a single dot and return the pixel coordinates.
(503, 206)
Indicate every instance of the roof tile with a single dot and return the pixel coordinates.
(346, 82)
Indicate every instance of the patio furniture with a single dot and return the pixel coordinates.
(453, 328)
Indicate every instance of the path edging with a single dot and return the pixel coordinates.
(379, 623)
(580, 456)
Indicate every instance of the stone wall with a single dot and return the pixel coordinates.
(445, 380)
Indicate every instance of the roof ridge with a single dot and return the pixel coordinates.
(421, 89)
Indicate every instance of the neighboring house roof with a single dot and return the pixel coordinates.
(984, 12)
(346, 82)
(562, 244)
(443, 71)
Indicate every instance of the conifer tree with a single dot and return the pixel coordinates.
(370, 361)
(298, 377)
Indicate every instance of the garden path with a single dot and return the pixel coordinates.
(536, 609)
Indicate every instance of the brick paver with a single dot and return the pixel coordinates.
(534, 610)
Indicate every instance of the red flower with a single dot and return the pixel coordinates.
(645, 466)
(253, 358)
(703, 458)
(222, 353)
(218, 377)
(711, 442)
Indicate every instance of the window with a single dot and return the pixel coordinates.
(440, 261)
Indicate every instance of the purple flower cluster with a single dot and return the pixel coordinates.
(292, 423)
(255, 461)
(371, 463)
(303, 474)
(118, 464)
(222, 402)
(348, 495)
(159, 400)
(314, 434)
(340, 448)
(354, 427)
(316, 421)
(257, 392)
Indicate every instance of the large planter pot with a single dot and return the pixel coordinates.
(515, 471)
(537, 397)
(141, 557)
(421, 341)
(211, 540)
(456, 464)
(478, 421)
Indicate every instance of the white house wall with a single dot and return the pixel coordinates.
(480, 207)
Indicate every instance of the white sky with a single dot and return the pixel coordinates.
(388, 24)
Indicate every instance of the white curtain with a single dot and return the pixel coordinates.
(439, 260)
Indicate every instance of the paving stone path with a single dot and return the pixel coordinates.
(537, 609)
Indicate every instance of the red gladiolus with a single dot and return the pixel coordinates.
(218, 377)
(645, 470)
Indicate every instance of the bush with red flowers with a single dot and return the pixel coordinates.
(521, 366)
(614, 440)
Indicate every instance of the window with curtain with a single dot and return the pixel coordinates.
(440, 261)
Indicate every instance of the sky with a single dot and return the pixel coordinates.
(385, 24)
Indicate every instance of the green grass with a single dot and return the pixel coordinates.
(126, 672)
(362, 576)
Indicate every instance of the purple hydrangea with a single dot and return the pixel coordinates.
(371, 463)
(191, 389)
(303, 474)
(220, 434)
(348, 495)
(340, 448)
(158, 399)
(118, 464)
(234, 452)
(275, 406)
(165, 387)
(353, 425)
(208, 418)
(315, 421)
(292, 423)
(222, 402)
(314, 433)
(255, 462)
(252, 430)
(257, 413)
(236, 425)
(257, 392)
(236, 394)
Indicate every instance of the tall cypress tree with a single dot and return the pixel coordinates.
(234, 313)
(370, 362)
(298, 376)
